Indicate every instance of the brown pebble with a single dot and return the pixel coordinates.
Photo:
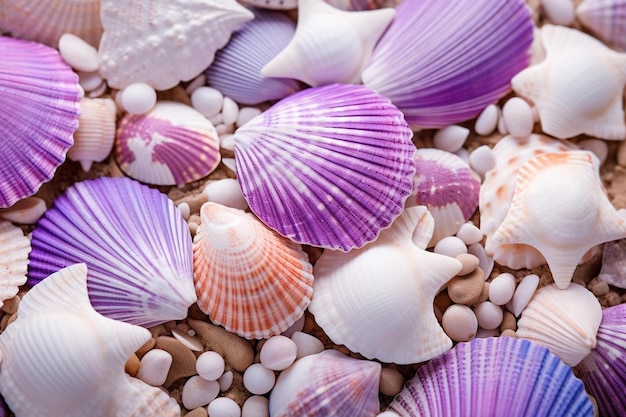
(145, 348)
(484, 295)
(169, 326)
(309, 323)
(621, 154)
(508, 322)
(237, 391)
(159, 330)
(183, 359)
(197, 412)
(509, 333)
(467, 289)
(443, 301)
(4, 322)
(176, 93)
(10, 305)
(237, 352)
(599, 288)
(132, 365)
(391, 381)
(612, 299)
(469, 263)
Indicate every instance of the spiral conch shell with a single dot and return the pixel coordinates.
(62, 358)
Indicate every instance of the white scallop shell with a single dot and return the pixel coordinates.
(14, 250)
(93, 140)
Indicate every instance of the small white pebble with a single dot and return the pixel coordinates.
(89, 80)
(256, 406)
(597, 146)
(227, 141)
(459, 322)
(307, 344)
(138, 98)
(502, 288)
(388, 414)
(450, 246)
(226, 192)
(451, 138)
(560, 12)
(210, 365)
(463, 154)
(216, 119)
(185, 210)
(25, 211)
(230, 111)
(278, 353)
(230, 164)
(208, 101)
(488, 314)
(226, 380)
(469, 234)
(154, 367)
(196, 83)
(501, 125)
(78, 53)
(297, 326)
(524, 292)
(224, 128)
(487, 120)
(258, 379)
(223, 407)
(246, 114)
(486, 263)
(518, 117)
(97, 92)
(198, 392)
(482, 159)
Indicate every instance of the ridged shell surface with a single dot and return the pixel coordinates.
(467, 54)
(163, 42)
(236, 69)
(134, 241)
(94, 138)
(327, 384)
(329, 166)
(14, 250)
(606, 19)
(604, 370)
(171, 144)
(38, 115)
(248, 278)
(495, 376)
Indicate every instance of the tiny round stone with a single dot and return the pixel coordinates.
(78, 53)
(489, 315)
(132, 365)
(306, 344)
(460, 323)
(559, 12)
(197, 412)
(154, 367)
(599, 288)
(89, 80)
(246, 114)
(210, 365)
(469, 263)
(487, 120)
(224, 407)
(297, 326)
(230, 111)
(207, 100)
(256, 406)
(469, 234)
(597, 146)
(483, 333)
(518, 117)
(226, 192)
(502, 288)
(391, 381)
(466, 289)
(198, 392)
(138, 98)
(278, 353)
(451, 138)
(258, 379)
(450, 246)
(508, 333)
(226, 381)
(524, 292)
(482, 159)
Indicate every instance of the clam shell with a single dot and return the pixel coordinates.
(163, 42)
(39, 112)
(327, 384)
(48, 371)
(248, 278)
(45, 21)
(236, 69)
(603, 371)
(378, 300)
(606, 19)
(565, 321)
(14, 250)
(94, 138)
(134, 241)
(328, 166)
(465, 59)
(494, 376)
(171, 144)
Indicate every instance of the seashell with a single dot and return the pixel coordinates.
(351, 5)
(603, 371)
(606, 19)
(236, 69)
(163, 42)
(94, 138)
(465, 59)
(248, 278)
(329, 45)
(497, 190)
(560, 208)
(171, 144)
(134, 241)
(48, 371)
(578, 87)
(328, 166)
(45, 21)
(378, 300)
(613, 269)
(273, 4)
(565, 321)
(39, 109)
(494, 376)
(14, 250)
(444, 183)
(327, 384)
(26, 211)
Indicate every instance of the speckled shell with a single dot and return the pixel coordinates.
(328, 166)
(46, 20)
(378, 300)
(171, 144)
(444, 183)
(467, 53)
(14, 250)
(134, 241)
(495, 376)
(61, 358)
(39, 109)
(94, 138)
(606, 19)
(564, 321)
(248, 278)
(327, 384)
(163, 42)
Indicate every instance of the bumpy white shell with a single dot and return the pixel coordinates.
(14, 250)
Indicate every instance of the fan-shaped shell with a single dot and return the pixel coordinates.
(467, 53)
(134, 241)
(236, 69)
(327, 384)
(378, 300)
(94, 138)
(328, 166)
(163, 42)
(46, 20)
(14, 250)
(38, 115)
(495, 376)
(565, 321)
(171, 144)
(606, 19)
(604, 371)
(613, 269)
(248, 278)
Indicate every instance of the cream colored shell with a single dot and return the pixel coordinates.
(14, 250)
(93, 140)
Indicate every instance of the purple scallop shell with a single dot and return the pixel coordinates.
(442, 62)
(604, 370)
(329, 166)
(38, 116)
(495, 376)
(135, 243)
(606, 19)
(236, 69)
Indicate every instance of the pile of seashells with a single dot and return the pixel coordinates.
(308, 208)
